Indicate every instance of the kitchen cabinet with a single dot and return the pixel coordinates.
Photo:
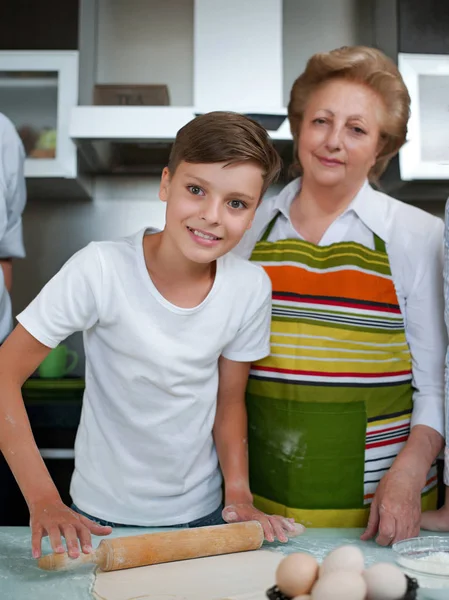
(54, 417)
(423, 27)
(411, 26)
(43, 73)
(43, 25)
(37, 92)
(415, 34)
(426, 153)
(13, 508)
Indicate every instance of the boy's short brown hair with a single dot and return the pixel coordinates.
(226, 137)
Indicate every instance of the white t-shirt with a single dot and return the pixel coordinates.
(12, 203)
(144, 453)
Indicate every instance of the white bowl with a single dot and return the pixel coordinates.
(427, 560)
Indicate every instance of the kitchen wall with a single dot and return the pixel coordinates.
(142, 41)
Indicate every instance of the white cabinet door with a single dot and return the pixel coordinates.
(425, 155)
(37, 92)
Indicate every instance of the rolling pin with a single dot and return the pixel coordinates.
(168, 546)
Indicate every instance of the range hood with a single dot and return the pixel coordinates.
(237, 66)
(131, 139)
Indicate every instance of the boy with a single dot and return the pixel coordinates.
(171, 323)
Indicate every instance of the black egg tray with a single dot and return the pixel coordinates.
(274, 593)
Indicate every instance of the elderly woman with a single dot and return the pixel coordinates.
(346, 415)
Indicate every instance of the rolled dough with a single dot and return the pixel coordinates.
(240, 576)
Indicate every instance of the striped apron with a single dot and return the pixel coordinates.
(330, 408)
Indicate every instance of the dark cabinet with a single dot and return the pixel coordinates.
(13, 508)
(423, 26)
(39, 24)
(54, 424)
(411, 26)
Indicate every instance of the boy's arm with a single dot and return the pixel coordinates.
(230, 435)
(20, 355)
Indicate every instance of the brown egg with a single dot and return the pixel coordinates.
(296, 574)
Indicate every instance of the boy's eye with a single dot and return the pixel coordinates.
(237, 204)
(195, 190)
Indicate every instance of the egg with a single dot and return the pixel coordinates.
(303, 597)
(344, 558)
(339, 585)
(296, 574)
(385, 581)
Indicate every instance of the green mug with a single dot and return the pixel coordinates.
(54, 365)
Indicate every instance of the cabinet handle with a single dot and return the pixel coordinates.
(58, 453)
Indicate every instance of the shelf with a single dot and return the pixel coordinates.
(28, 82)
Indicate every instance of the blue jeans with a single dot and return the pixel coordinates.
(214, 518)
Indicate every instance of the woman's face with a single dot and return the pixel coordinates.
(339, 136)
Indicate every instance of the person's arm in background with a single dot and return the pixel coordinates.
(396, 509)
(438, 520)
(12, 197)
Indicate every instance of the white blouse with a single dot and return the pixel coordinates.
(414, 241)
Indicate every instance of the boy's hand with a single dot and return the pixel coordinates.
(55, 519)
(274, 526)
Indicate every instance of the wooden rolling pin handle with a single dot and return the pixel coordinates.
(63, 562)
(168, 546)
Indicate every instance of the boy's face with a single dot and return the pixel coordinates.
(209, 206)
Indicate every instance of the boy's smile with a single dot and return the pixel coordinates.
(203, 237)
(209, 207)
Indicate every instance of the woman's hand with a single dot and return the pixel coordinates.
(274, 526)
(396, 509)
(57, 520)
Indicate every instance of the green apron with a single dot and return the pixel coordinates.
(330, 408)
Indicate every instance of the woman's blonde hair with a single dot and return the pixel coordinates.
(369, 67)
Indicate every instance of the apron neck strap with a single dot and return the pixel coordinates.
(379, 244)
(269, 228)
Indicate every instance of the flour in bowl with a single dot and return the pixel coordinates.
(437, 563)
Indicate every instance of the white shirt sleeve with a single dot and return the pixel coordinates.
(446, 466)
(69, 302)
(252, 341)
(12, 189)
(425, 330)
(446, 318)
